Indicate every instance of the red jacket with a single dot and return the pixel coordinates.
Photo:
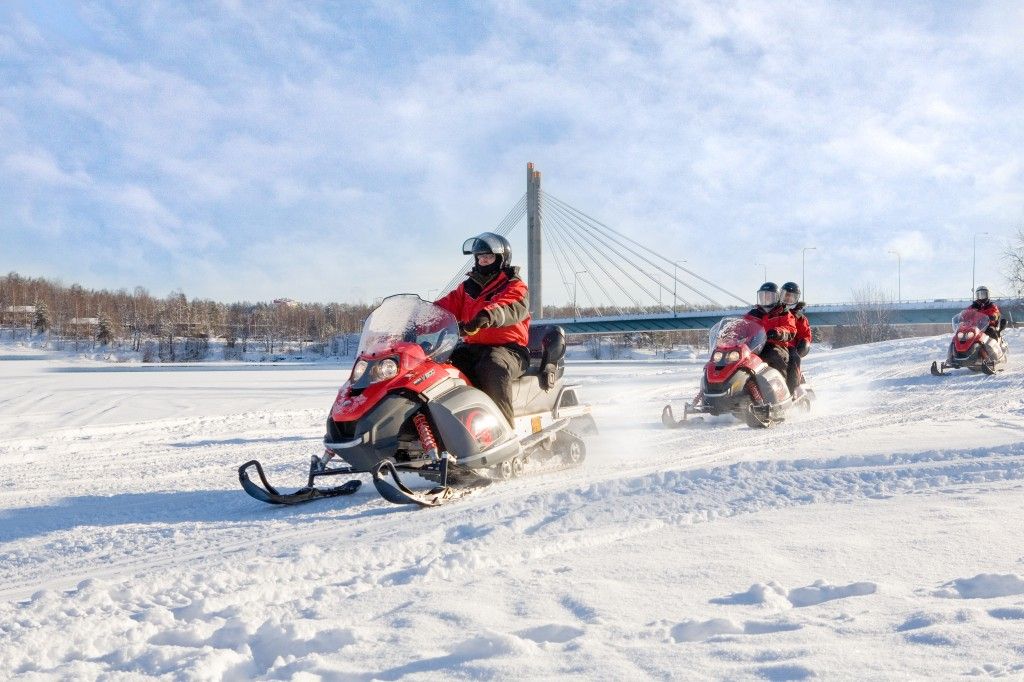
(991, 309)
(778, 320)
(803, 329)
(504, 297)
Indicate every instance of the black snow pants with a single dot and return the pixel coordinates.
(492, 369)
(776, 356)
(793, 371)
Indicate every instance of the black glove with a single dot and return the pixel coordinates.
(481, 321)
(776, 335)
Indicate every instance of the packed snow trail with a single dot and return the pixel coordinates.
(868, 539)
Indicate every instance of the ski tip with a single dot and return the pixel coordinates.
(667, 418)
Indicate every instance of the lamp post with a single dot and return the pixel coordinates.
(974, 258)
(803, 269)
(899, 276)
(765, 279)
(575, 281)
(675, 265)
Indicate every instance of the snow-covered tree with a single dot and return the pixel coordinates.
(42, 320)
(105, 332)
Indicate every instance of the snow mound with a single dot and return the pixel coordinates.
(982, 586)
(773, 594)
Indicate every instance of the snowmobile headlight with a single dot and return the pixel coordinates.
(717, 355)
(732, 356)
(358, 370)
(385, 369)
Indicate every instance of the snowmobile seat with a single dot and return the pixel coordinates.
(532, 392)
(547, 354)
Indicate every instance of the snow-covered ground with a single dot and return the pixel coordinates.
(880, 537)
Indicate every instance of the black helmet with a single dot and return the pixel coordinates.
(488, 242)
(768, 295)
(981, 294)
(790, 293)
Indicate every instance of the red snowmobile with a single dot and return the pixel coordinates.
(405, 409)
(971, 347)
(736, 381)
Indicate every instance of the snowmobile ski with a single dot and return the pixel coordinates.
(937, 370)
(269, 493)
(669, 419)
(398, 493)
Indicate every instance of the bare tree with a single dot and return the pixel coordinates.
(1014, 258)
(872, 319)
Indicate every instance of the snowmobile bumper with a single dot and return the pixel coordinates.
(363, 443)
(317, 467)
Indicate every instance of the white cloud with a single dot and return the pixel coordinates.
(703, 129)
(912, 246)
(38, 167)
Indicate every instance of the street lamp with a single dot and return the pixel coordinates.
(675, 265)
(974, 258)
(899, 276)
(765, 279)
(575, 281)
(803, 269)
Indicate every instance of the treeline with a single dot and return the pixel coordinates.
(176, 328)
(128, 319)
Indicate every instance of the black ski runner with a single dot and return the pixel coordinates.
(399, 493)
(269, 493)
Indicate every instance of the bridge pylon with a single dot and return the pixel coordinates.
(534, 235)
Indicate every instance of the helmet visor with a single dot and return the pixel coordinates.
(790, 297)
(981, 294)
(475, 245)
(767, 298)
(486, 242)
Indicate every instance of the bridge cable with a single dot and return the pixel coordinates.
(556, 256)
(559, 238)
(591, 224)
(561, 217)
(554, 225)
(601, 241)
(655, 254)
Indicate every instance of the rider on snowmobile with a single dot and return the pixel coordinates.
(492, 308)
(800, 344)
(987, 306)
(779, 325)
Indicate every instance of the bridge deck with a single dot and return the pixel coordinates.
(914, 312)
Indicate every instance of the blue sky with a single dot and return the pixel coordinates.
(343, 151)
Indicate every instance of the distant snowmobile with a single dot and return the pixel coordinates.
(971, 347)
(405, 409)
(738, 382)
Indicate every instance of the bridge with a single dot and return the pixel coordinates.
(624, 286)
(909, 312)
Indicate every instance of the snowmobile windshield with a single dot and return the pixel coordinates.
(971, 317)
(407, 317)
(738, 331)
